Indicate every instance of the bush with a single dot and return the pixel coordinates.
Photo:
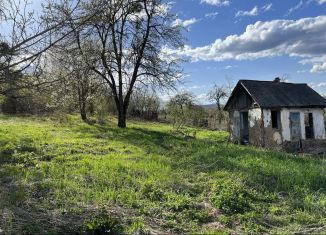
(26, 104)
(152, 192)
(32, 228)
(103, 109)
(102, 225)
(231, 197)
(182, 110)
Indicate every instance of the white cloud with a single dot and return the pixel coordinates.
(201, 97)
(216, 2)
(318, 63)
(252, 12)
(255, 10)
(230, 67)
(303, 4)
(267, 7)
(296, 7)
(313, 85)
(303, 38)
(320, 2)
(317, 68)
(195, 87)
(184, 23)
(211, 15)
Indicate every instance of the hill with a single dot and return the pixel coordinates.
(208, 106)
(65, 176)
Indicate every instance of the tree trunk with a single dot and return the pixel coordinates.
(83, 113)
(220, 119)
(82, 103)
(122, 117)
(219, 115)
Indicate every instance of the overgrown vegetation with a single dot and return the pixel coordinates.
(72, 177)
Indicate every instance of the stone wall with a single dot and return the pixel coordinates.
(272, 137)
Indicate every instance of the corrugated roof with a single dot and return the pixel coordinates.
(270, 94)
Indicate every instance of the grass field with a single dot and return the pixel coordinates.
(65, 176)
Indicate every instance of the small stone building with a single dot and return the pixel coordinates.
(274, 113)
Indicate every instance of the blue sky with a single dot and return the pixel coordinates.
(290, 42)
(249, 39)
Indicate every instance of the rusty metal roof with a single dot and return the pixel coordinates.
(271, 94)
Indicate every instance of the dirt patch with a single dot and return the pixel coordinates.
(214, 226)
(14, 220)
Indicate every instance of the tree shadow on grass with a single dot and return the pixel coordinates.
(272, 170)
(275, 171)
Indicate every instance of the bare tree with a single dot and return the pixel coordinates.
(81, 82)
(179, 109)
(285, 77)
(28, 35)
(24, 38)
(128, 37)
(217, 94)
(144, 103)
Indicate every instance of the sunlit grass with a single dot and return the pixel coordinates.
(60, 176)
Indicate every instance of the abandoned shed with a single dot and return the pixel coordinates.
(275, 113)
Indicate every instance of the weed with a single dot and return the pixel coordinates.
(232, 197)
(102, 225)
(32, 228)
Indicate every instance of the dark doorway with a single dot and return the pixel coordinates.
(244, 128)
(276, 119)
(309, 125)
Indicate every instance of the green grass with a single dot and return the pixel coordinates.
(70, 177)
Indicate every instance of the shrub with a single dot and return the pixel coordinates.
(32, 228)
(152, 192)
(231, 197)
(102, 225)
(26, 104)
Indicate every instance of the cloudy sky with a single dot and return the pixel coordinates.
(252, 39)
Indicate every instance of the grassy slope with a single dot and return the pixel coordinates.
(71, 176)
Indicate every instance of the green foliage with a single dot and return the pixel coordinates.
(102, 225)
(231, 197)
(136, 225)
(102, 110)
(32, 228)
(152, 192)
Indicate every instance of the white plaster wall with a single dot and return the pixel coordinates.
(318, 119)
(285, 122)
(254, 115)
(267, 117)
(319, 125)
